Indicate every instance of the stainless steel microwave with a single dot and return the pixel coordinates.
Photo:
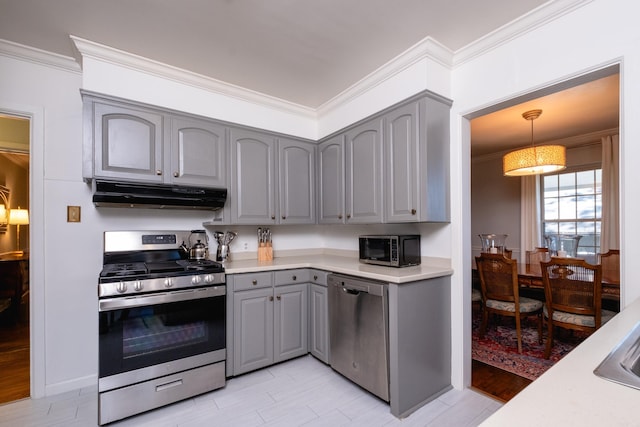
(392, 251)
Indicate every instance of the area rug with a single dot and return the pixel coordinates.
(499, 346)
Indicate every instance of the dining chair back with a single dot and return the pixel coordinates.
(500, 293)
(573, 296)
(534, 257)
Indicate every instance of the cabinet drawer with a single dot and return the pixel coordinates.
(319, 277)
(252, 281)
(287, 277)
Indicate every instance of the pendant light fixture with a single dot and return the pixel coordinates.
(534, 160)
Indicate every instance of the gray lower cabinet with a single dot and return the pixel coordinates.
(319, 316)
(269, 322)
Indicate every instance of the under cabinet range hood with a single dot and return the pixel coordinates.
(158, 196)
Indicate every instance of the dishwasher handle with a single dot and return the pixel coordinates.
(357, 286)
(352, 291)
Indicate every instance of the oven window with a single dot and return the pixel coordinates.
(138, 337)
(148, 331)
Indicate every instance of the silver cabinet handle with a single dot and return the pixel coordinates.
(294, 277)
(413, 211)
(254, 282)
(176, 174)
(279, 297)
(158, 172)
(271, 298)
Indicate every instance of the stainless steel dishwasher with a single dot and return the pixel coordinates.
(359, 332)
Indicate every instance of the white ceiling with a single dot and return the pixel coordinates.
(305, 52)
(302, 51)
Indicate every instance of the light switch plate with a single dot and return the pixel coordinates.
(73, 213)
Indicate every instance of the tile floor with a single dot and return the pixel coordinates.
(300, 392)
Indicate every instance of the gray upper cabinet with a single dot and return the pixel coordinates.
(273, 179)
(124, 143)
(296, 182)
(132, 142)
(253, 177)
(416, 147)
(198, 152)
(401, 127)
(350, 176)
(391, 168)
(331, 181)
(363, 173)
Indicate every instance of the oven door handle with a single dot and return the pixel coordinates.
(109, 304)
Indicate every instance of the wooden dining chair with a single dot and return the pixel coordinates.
(573, 289)
(500, 294)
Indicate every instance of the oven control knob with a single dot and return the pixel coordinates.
(137, 285)
(121, 287)
(195, 280)
(209, 278)
(168, 282)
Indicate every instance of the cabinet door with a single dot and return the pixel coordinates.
(252, 330)
(331, 181)
(401, 164)
(127, 143)
(296, 182)
(198, 153)
(319, 322)
(363, 183)
(253, 190)
(290, 321)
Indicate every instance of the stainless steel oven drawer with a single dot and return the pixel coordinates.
(124, 402)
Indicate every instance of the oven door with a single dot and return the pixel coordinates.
(147, 336)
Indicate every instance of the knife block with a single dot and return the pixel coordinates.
(265, 252)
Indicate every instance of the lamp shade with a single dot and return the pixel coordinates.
(3, 214)
(534, 160)
(18, 216)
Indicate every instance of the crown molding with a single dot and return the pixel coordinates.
(427, 48)
(569, 142)
(536, 18)
(89, 49)
(38, 56)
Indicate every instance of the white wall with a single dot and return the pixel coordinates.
(67, 257)
(600, 33)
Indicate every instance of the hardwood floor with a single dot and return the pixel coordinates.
(14, 361)
(495, 382)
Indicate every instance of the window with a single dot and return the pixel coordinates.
(572, 204)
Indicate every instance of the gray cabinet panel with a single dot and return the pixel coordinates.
(253, 178)
(128, 143)
(296, 182)
(252, 329)
(290, 321)
(198, 153)
(331, 181)
(363, 183)
(318, 322)
(401, 163)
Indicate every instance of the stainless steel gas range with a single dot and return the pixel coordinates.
(162, 323)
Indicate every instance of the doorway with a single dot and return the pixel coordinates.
(495, 199)
(15, 348)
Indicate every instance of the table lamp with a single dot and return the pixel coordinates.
(18, 217)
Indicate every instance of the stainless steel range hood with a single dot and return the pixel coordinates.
(158, 196)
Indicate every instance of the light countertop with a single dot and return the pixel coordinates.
(571, 394)
(429, 269)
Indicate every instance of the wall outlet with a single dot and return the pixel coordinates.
(73, 213)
